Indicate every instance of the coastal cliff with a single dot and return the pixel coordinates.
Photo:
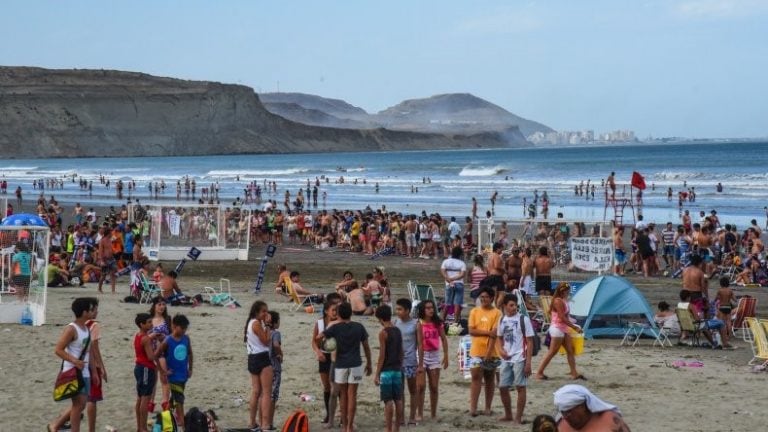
(102, 113)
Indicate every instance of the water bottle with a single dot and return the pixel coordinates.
(26, 317)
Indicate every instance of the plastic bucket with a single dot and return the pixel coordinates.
(578, 344)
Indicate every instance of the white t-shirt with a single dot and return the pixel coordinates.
(454, 267)
(509, 329)
(454, 229)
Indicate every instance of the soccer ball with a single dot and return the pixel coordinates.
(329, 344)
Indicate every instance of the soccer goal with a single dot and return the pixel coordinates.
(23, 277)
(170, 230)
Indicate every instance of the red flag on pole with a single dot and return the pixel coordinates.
(638, 180)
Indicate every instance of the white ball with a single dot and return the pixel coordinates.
(329, 344)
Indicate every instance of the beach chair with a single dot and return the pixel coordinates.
(544, 313)
(149, 289)
(299, 301)
(759, 341)
(745, 308)
(220, 296)
(688, 324)
(635, 330)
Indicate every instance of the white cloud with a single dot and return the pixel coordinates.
(720, 9)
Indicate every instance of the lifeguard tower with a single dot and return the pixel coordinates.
(619, 203)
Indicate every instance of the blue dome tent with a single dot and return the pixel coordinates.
(605, 305)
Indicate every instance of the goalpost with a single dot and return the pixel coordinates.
(170, 230)
(23, 296)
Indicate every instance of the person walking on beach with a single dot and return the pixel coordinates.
(348, 373)
(106, 261)
(73, 348)
(324, 357)
(389, 376)
(560, 332)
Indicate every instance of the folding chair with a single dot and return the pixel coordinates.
(636, 329)
(299, 301)
(425, 292)
(220, 297)
(745, 308)
(148, 289)
(545, 312)
(759, 341)
(688, 324)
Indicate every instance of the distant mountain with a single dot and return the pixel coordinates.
(334, 107)
(72, 113)
(456, 113)
(313, 117)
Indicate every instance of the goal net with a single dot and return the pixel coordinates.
(170, 230)
(24, 254)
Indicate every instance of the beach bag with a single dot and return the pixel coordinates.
(198, 421)
(297, 422)
(69, 382)
(165, 422)
(536, 340)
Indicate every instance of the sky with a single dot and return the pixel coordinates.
(689, 68)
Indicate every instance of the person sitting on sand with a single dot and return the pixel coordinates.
(356, 298)
(169, 289)
(347, 284)
(282, 275)
(578, 409)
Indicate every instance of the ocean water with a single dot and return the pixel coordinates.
(454, 178)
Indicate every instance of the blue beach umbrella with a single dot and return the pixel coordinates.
(24, 219)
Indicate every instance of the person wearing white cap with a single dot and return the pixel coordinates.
(585, 412)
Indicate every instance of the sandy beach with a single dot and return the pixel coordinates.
(722, 395)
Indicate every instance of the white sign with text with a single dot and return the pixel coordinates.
(592, 253)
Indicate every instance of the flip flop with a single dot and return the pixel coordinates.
(581, 377)
(542, 378)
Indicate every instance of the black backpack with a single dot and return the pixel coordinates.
(198, 421)
(536, 339)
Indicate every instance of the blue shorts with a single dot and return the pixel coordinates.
(512, 374)
(620, 256)
(714, 324)
(410, 371)
(145, 380)
(454, 295)
(669, 250)
(391, 386)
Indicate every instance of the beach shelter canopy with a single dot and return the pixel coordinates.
(605, 305)
(24, 219)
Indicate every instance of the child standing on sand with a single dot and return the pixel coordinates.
(258, 339)
(145, 369)
(276, 358)
(725, 300)
(388, 376)
(348, 373)
(408, 329)
(430, 338)
(514, 344)
(177, 351)
(324, 357)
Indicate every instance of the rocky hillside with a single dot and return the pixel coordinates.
(455, 113)
(102, 113)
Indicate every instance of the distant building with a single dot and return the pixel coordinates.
(581, 137)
